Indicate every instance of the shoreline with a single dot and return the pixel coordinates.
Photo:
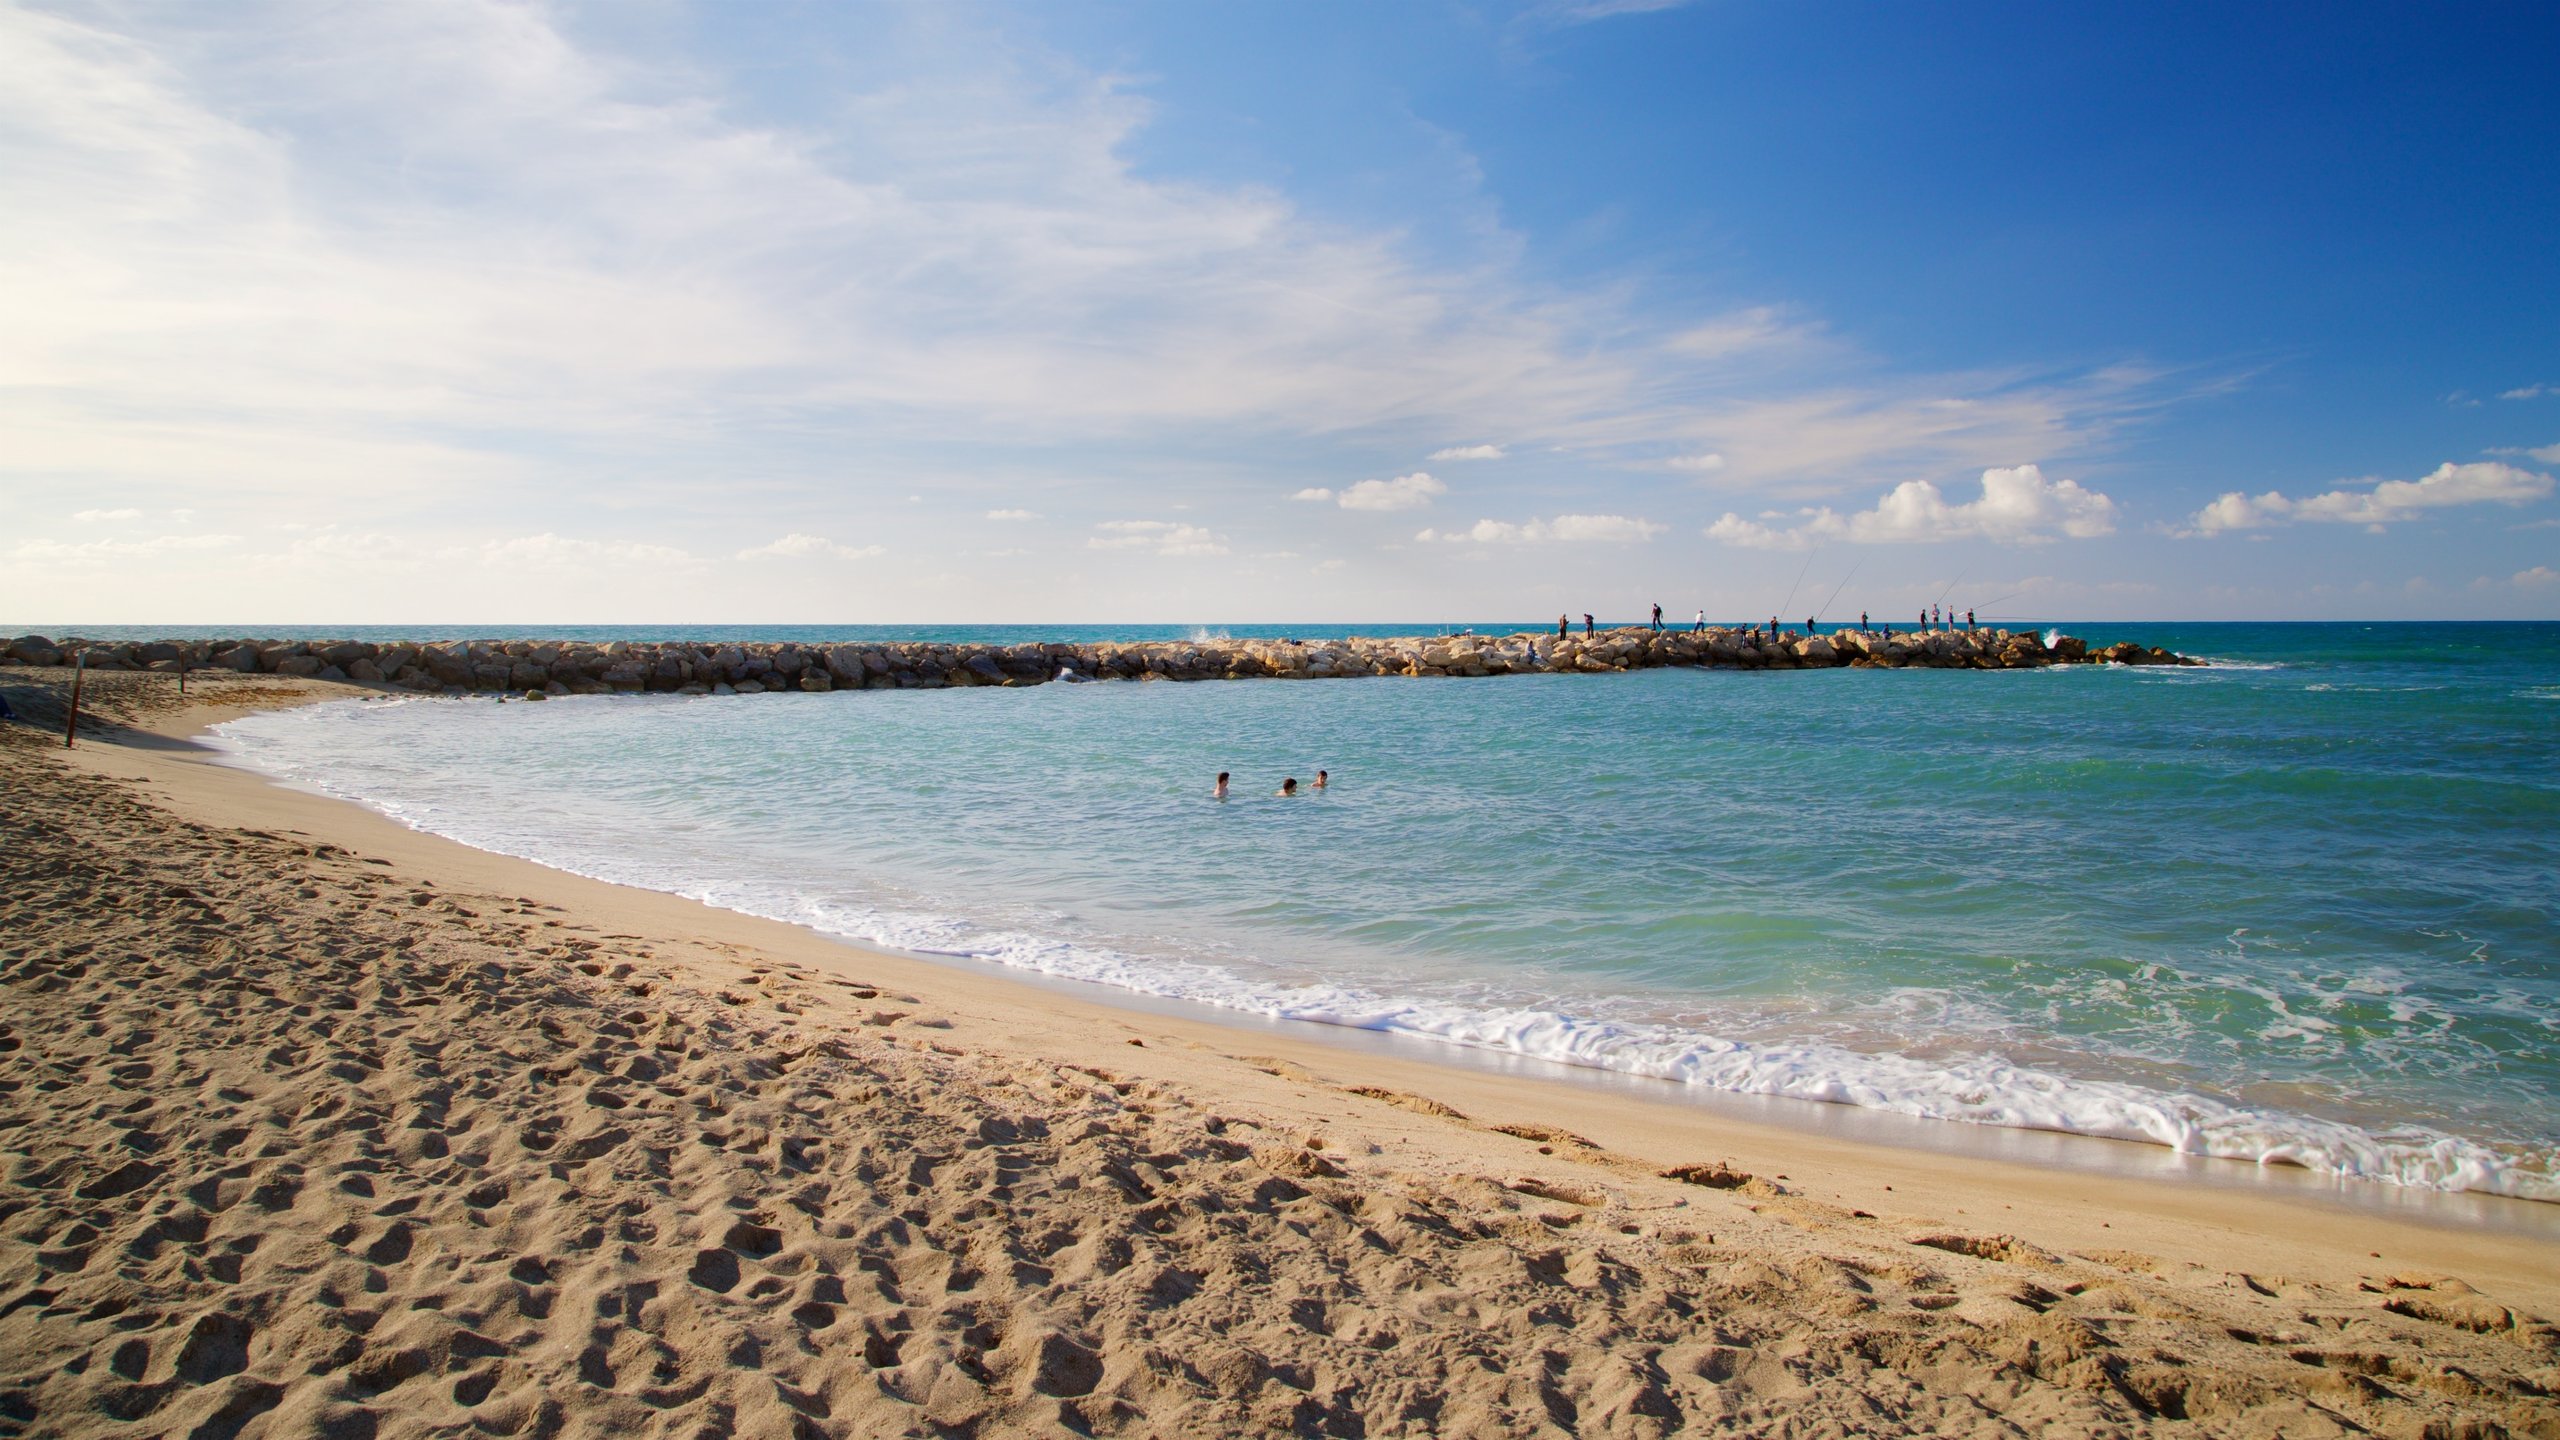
(1389, 1207)
(1559, 1083)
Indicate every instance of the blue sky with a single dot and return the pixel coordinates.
(498, 312)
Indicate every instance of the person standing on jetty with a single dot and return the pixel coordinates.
(1657, 616)
(1863, 627)
(1968, 622)
(1701, 627)
(1586, 622)
(1564, 626)
(1809, 626)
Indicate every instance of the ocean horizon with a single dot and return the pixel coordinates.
(2292, 908)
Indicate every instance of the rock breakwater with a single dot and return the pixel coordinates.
(550, 667)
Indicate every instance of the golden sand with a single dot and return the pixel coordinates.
(312, 1125)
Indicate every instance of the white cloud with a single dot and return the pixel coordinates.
(102, 552)
(1313, 492)
(1404, 492)
(1012, 515)
(1732, 529)
(89, 517)
(1164, 537)
(2529, 392)
(1806, 441)
(1703, 464)
(555, 552)
(2018, 506)
(2547, 454)
(1618, 528)
(800, 546)
(2387, 501)
(1468, 452)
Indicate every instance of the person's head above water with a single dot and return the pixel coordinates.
(1321, 778)
(1289, 786)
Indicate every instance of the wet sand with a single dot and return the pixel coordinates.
(314, 1125)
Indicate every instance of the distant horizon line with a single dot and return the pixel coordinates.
(10, 630)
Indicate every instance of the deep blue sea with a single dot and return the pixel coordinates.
(2302, 906)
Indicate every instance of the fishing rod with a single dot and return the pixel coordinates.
(1836, 589)
(1800, 571)
(1951, 585)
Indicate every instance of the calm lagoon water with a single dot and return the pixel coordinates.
(2303, 906)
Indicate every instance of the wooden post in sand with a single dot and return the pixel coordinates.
(71, 726)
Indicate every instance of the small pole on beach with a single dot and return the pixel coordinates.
(71, 726)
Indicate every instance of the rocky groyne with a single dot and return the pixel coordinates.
(553, 667)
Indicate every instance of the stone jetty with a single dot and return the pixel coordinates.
(558, 667)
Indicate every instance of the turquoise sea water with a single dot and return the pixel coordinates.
(2300, 906)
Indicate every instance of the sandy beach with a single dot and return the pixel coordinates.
(317, 1125)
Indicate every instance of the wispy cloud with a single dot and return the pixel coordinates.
(91, 517)
(2547, 454)
(1012, 515)
(798, 546)
(1706, 464)
(591, 249)
(1569, 528)
(1161, 537)
(83, 553)
(1584, 12)
(2530, 392)
(2018, 506)
(2378, 506)
(1468, 452)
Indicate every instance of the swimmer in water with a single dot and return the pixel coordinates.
(1321, 778)
(1221, 792)
(1289, 786)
